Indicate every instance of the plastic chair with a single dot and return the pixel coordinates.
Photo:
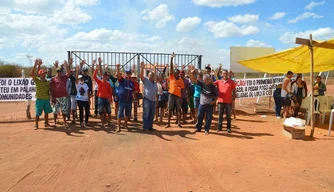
(330, 122)
(316, 109)
(325, 106)
(305, 106)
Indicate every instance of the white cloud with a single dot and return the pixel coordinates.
(222, 3)
(103, 35)
(160, 14)
(247, 18)
(225, 29)
(256, 43)
(278, 15)
(188, 24)
(319, 34)
(314, 4)
(86, 2)
(28, 24)
(305, 15)
(34, 6)
(71, 15)
(153, 39)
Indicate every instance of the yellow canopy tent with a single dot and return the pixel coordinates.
(296, 59)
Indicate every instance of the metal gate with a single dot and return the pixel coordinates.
(132, 60)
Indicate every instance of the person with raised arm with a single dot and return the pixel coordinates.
(176, 84)
(59, 93)
(125, 93)
(149, 100)
(42, 94)
(104, 95)
(207, 100)
(82, 97)
(162, 95)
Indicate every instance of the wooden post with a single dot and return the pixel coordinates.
(311, 84)
(309, 43)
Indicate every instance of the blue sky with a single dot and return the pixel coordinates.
(48, 28)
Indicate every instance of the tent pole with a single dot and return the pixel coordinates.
(258, 98)
(311, 84)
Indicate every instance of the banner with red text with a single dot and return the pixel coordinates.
(257, 87)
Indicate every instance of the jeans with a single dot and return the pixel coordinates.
(204, 109)
(68, 115)
(82, 105)
(278, 106)
(148, 114)
(222, 107)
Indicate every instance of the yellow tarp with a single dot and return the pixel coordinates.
(296, 60)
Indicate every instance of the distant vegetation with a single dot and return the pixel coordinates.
(14, 70)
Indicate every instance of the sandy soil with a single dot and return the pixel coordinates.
(255, 157)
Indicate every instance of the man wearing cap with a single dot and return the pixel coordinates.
(136, 91)
(59, 93)
(87, 78)
(125, 92)
(208, 71)
(176, 84)
(149, 100)
(105, 95)
(42, 94)
(208, 97)
(82, 98)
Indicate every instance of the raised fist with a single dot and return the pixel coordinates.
(173, 55)
(142, 65)
(118, 65)
(70, 60)
(99, 60)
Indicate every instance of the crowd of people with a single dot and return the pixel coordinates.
(294, 91)
(175, 94)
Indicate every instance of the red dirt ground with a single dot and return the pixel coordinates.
(255, 157)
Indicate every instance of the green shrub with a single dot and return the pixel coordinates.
(9, 70)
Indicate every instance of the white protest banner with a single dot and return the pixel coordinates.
(17, 89)
(257, 87)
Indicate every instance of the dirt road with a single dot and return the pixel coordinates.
(255, 157)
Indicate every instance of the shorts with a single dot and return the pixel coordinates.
(73, 103)
(191, 102)
(42, 105)
(196, 102)
(162, 104)
(286, 102)
(104, 103)
(124, 107)
(184, 105)
(61, 103)
(174, 101)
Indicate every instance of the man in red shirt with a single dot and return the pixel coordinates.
(136, 91)
(226, 87)
(104, 94)
(59, 92)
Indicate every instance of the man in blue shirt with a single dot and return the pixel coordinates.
(125, 93)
